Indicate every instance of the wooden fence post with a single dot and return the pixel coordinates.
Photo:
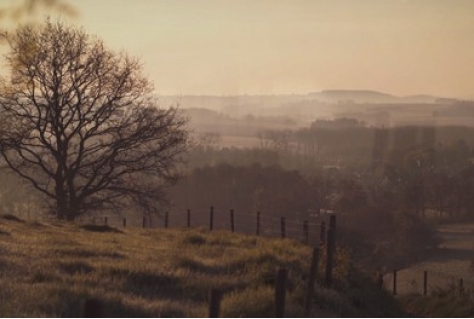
(105, 221)
(330, 245)
(258, 224)
(215, 303)
(282, 227)
(306, 231)
(461, 287)
(322, 235)
(380, 280)
(211, 218)
(394, 281)
(425, 282)
(332, 224)
(280, 293)
(144, 222)
(93, 309)
(232, 220)
(311, 280)
(124, 222)
(189, 218)
(166, 220)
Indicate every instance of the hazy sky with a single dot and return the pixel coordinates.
(256, 46)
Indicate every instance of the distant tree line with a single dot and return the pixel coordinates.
(344, 143)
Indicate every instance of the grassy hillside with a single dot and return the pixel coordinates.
(49, 269)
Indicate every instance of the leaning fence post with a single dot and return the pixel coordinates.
(282, 226)
(425, 282)
(329, 256)
(306, 231)
(124, 222)
(166, 220)
(280, 293)
(211, 218)
(258, 224)
(394, 281)
(311, 280)
(232, 220)
(189, 218)
(215, 303)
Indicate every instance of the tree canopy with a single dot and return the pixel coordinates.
(80, 123)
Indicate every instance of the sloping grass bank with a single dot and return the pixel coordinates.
(441, 304)
(49, 269)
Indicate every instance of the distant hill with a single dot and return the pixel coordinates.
(420, 98)
(372, 107)
(239, 105)
(368, 96)
(357, 96)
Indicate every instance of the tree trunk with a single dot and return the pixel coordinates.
(72, 214)
(73, 210)
(61, 201)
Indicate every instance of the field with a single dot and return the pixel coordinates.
(446, 297)
(445, 267)
(49, 269)
(239, 141)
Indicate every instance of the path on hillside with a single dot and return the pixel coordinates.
(451, 262)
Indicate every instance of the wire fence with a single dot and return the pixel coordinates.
(426, 280)
(308, 228)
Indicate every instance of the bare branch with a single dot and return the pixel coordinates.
(83, 127)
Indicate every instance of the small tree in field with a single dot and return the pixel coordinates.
(79, 123)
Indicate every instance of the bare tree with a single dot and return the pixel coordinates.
(209, 140)
(79, 123)
(277, 140)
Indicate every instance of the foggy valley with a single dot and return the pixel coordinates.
(249, 116)
(236, 159)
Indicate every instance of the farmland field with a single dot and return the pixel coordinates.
(239, 141)
(450, 263)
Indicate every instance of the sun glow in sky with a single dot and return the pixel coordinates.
(295, 46)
